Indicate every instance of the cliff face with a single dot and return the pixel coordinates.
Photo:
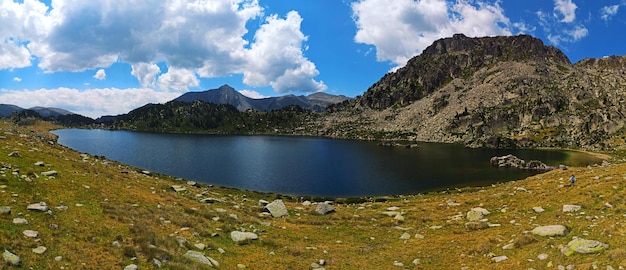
(493, 92)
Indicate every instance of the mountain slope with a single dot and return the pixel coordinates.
(8, 109)
(493, 92)
(228, 95)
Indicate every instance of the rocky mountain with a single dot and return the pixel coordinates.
(491, 92)
(227, 95)
(8, 109)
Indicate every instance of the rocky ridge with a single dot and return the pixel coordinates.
(492, 92)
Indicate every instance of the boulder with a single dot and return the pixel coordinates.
(507, 161)
(571, 208)
(550, 230)
(49, 173)
(131, 267)
(198, 257)
(5, 210)
(277, 208)
(11, 259)
(538, 209)
(39, 250)
(243, 237)
(324, 208)
(477, 214)
(42, 206)
(20, 221)
(583, 246)
(178, 188)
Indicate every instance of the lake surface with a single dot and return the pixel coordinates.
(308, 166)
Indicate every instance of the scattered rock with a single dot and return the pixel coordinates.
(550, 230)
(200, 258)
(131, 267)
(40, 163)
(405, 236)
(499, 258)
(263, 202)
(42, 206)
(5, 210)
(200, 246)
(31, 233)
(178, 188)
(571, 208)
(11, 259)
(538, 209)
(20, 221)
(476, 214)
(324, 208)
(39, 250)
(145, 172)
(116, 244)
(583, 246)
(542, 256)
(509, 246)
(15, 154)
(277, 208)
(243, 237)
(511, 161)
(49, 173)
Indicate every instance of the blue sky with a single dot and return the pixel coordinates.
(107, 57)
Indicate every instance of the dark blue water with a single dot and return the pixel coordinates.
(307, 166)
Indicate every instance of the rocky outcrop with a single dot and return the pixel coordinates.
(511, 161)
(498, 92)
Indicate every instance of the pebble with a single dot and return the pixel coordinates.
(499, 258)
(39, 250)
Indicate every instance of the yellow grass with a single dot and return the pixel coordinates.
(148, 219)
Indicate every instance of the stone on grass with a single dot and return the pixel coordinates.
(131, 267)
(571, 208)
(20, 221)
(500, 258)
(49, 173)
(39, 250)
(42, 206)
(30, 233)
(5, 210)
(538, 209)
(324, 208)
(11, 259)
(550, 230)
(477, 214)
(198, 257)
(178, 188)
(15, 154)
(277, 208)
(542, 256)
(405, 236)
(583, 246)
(243, 237)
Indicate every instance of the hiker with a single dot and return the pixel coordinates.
(572, 180)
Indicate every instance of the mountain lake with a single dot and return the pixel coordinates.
(309, 165)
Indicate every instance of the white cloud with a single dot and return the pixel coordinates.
(146, 73)
(578, 32)
(565, 10)
(206, 37)
(607, 12)
(276, 57)
(100, 74)
(17, 79)
(92, 103)
(401, 29)
(252, 94)
(178, 79)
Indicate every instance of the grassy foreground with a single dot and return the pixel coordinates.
(107, 215)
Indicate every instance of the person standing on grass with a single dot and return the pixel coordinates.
(572, 180)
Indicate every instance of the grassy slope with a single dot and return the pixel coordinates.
(148, 219)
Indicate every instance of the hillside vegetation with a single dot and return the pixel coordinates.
(106, 215)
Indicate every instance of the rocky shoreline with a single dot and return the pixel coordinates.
(93, 212)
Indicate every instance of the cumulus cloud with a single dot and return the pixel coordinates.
(276, 57)
(146, 73)
(178, 79)
(100, 74)
(607, 12)
(205, 38)
(403, 28)
(92, 102)
(17, 79)
(565, 10)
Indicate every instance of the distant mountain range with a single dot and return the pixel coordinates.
(7, 109)
(227, 95)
